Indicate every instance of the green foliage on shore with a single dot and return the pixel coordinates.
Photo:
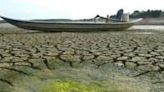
(144, 14)
(148, 13)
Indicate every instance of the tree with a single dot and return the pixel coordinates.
(148, 13)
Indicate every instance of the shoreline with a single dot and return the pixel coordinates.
(151, 21)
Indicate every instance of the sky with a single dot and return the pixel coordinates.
(72, 9)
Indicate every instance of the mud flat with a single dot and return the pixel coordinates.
(29, 61)
(152, 21)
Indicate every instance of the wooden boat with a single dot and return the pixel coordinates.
(72, 25)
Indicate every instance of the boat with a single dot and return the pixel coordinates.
(71, 25)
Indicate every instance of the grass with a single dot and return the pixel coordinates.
(72, 86)
(76, 86)
(81, 79)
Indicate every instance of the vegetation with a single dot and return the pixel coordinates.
(144, 14)
(72, 86)
(148, 13)
(75, 86)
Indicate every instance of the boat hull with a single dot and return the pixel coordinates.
(68, 26)
(72, 27)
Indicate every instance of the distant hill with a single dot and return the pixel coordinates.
(51, 20)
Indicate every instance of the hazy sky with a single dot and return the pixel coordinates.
(48, 9)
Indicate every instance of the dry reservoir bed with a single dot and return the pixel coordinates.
(128, 60)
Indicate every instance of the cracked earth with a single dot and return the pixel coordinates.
(35, 51)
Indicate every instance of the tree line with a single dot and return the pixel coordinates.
(144, 14)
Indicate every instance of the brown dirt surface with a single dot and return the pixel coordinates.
(30, 59)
